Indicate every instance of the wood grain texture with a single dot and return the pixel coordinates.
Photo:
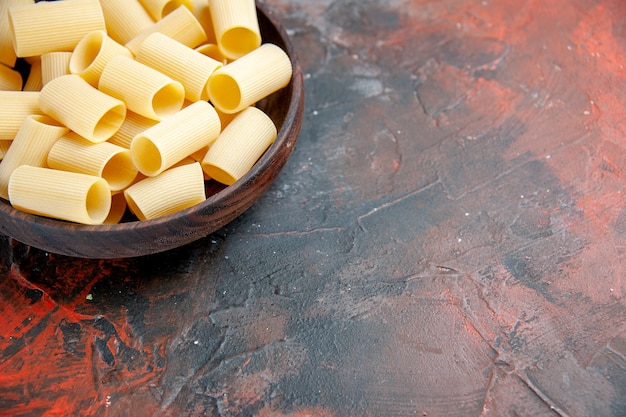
(136, 238)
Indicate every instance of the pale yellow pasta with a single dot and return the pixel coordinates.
(202, 11)
(212, 51)
(52, 26)
(31, 145)
(173, 190)
(61, 195)
(10, 79)
(145, 90)
(4, 147)
(158, 9)
(179, 62)
(7, 53)
(125, 19)
(250, 78)
(133, 125)
(175, 138)
(54, 64)
(87, 111)
(118, 208)
(236, 26)
(239, 146)
(104, 159)
(92, 53)
(180, 24)
(14, 107)
(34, 82)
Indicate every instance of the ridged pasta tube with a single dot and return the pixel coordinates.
(250, 78)
(61, 195)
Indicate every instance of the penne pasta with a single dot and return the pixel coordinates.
(7, 53)
(133, 125)
(179, 62)
(51, 26)
(58, 194)
(173, 190)
(250, 78)
(125, 19)
(92, 53)
(158, 9)
(180, 24)
(145, 91)
(10, 80)
(54, 64)
(175, 138)
(31, 145)
(4, 147)
(104, 159)
(87, 111)
(239, 146)
(14, 107)
(236, 26)
(34, 82)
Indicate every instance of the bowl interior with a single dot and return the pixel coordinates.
(132, 237)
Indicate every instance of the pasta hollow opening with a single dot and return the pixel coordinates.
(86, 51)
(224, 92)
(218, 174)
(238, 41)
(98, 202)
(119, 171)
(146, 155)
(170, 6)
(110, 123)
(167, 100)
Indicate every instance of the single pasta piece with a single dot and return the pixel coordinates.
(4, 147)
(180, 24)
(61, 195)
(173, 190)
(145, 90)
(51, 26)
(86, 110)
(133, 125)
(179, 62)
(202, 11)
(104, 159)
(7, 53)
(212, 51)
(175, 138)
(125, 19)
(236, 26)
(92, 53)
(243, 82)
(14, 107)
(239, 146)
(54, 64)
(31, 145)
(158, 9)
(10, 80)
(34, 82)
(118, 208)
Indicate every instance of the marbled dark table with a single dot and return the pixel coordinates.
(448, 239)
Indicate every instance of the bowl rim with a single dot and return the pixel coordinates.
(275, 156)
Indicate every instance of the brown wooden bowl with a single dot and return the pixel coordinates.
(135, 238)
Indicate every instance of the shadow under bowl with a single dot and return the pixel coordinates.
(224, 203)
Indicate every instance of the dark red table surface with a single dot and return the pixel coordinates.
(447, 239)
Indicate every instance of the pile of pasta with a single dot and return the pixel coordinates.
(130, 105)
